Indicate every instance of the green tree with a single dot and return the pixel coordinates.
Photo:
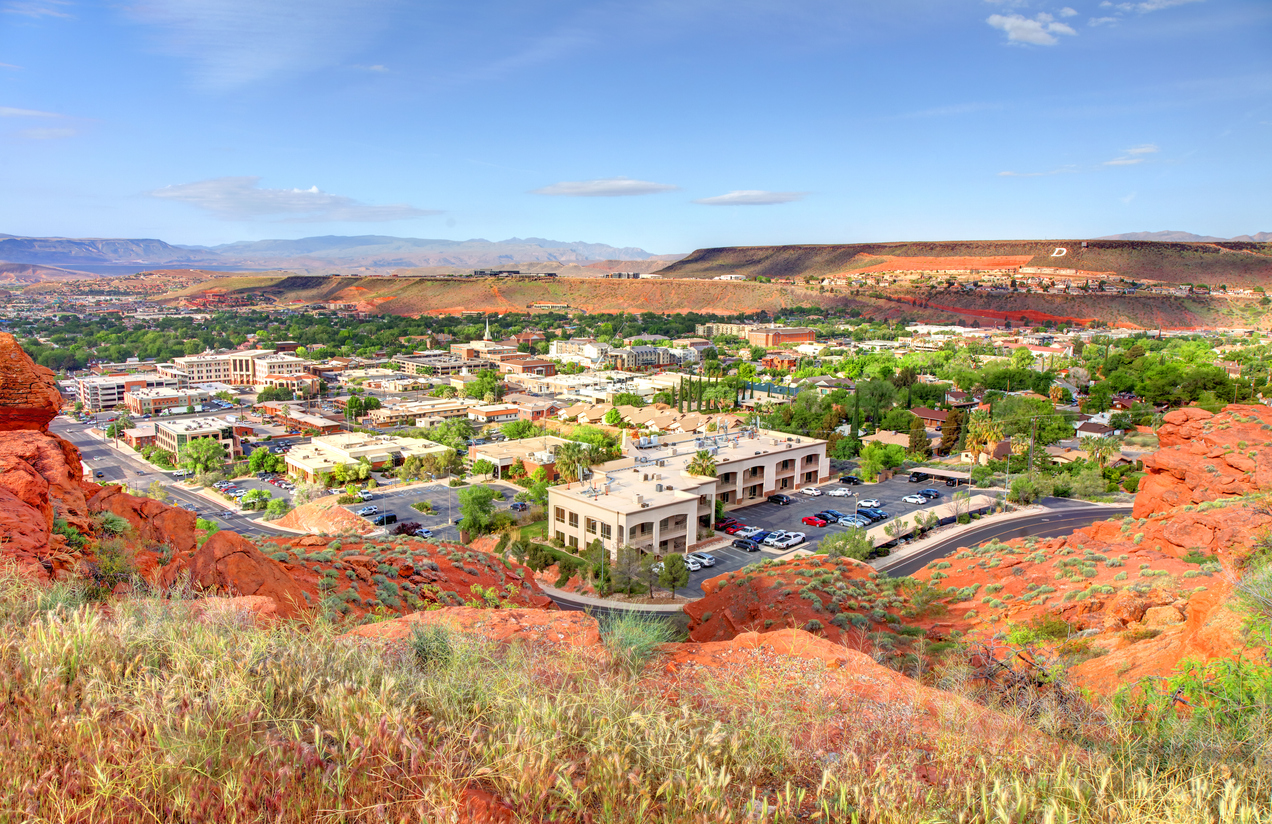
(486, 388)
(626, 573)
(483, 467)
(628, 399)
(951, 430)
(477, 509)
(261, 460)
(276, 509)
(853, 543)
(919, 444)
(255, 499)
(613, 418)
(516, 430)
(703, 463)
(201, 455)
(674, 572)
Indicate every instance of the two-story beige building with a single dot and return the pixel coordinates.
(649, 500)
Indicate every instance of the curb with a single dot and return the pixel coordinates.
(584, 601)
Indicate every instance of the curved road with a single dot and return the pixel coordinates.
(1050, 524)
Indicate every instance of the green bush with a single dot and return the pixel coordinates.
(632, 638)
(432, 647)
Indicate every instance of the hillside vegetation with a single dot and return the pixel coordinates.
(1231, 263)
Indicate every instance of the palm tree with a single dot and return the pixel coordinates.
(702, 463)
(1100, 449)
(981, 432)
(572, 458)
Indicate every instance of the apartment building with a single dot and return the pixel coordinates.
(107, 391)
(711, 330)
(206, 368)
(321, 455)
(413, 413)
(141, 401)
(648, 499)
(639, 357)
(174, 435)
(441, 364)
(294, 416)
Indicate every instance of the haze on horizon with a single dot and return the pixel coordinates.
(663, 126)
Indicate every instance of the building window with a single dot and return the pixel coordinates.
(786, 483)
(574, 519)
(810, 477)
(560, 514)
(560, 536)
(605, 531)
(590, 525)
(574, 542)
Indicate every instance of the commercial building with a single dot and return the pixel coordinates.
(711, 330)
(320, 456)
(174, 435)
(533, 453)
(526, 365)
(487, 414)
(441, 364)
(639, 357)
(206, 368)
(142, 401)
(107, 391)
(294, 416)
(780, 335)
(649, 500)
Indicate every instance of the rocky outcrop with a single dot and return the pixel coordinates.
(325, 517)
(29, 398)
(838, 598)
(576, 631)
(229, 564)
(1205, 457)
(154, 524)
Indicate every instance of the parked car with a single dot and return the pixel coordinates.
(423, 532)
(874, 515)
(385, 519)
(775, 538)
(365, 494)
(919, 477)
(745, 545)
(702, 558)
(760, 537)
(368, 510)
(813, 520)
(869, 502)
(734, 529)
(791, 539)
(724, 523)
(780, 499)
(747, 532)
(840, 492)
(811, 490)
(930, 494)
(916, 499)
(851, 480)
(100, 474)
(859, 521)
(693, 565)
(520, 506)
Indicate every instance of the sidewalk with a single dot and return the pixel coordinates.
(587, 601)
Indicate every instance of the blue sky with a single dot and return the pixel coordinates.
(665, 124)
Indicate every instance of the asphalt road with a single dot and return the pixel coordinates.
(138, 474)
(1053, 523)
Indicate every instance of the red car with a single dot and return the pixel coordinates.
(813, 520)
(733, 528)
(725, 523)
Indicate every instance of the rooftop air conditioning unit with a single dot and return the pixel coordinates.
(658, 488)
(645, 477)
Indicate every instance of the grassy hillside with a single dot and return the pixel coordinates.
(1234, 264)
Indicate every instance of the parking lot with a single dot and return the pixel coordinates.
(769, 516)
(727, 560)
(445, 501)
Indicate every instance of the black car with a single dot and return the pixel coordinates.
(919, 477)
(384, 519)
(780, 499)
(745, 545)
(873, 514)
(850, 480)
(930, 494)
(520, 506)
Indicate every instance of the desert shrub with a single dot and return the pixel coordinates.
(632, 637)
(111, 524)
(431, 647)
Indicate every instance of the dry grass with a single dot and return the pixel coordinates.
(142, 713)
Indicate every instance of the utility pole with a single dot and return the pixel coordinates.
(1033, 429)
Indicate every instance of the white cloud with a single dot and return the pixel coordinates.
(1124, 161)
(241, 198)
(376, 68)
(752, 197)
(6, 111)
(1127, 200)
(607, 187)
(36, 8)
(1041, 30)
(1068, 12)
(1102, 21)
(1144, 148)
(233, 43)
(9, 66)
(1153, 5)
(46, 134)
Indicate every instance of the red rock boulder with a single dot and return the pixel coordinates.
(28, 392)
(229, 564)
(153, 522)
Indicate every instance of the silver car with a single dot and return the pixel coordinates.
(702, 558)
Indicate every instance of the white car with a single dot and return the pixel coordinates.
(365, 494)
(693, 565)
(841, 492)
(869, 503)
(775, 538)
(792, 539)
(369, 510)
(748, 532)
(915, 499)
(702, 558)
(811, 490)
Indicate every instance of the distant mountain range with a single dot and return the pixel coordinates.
(1189, 237)
(365, 252)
